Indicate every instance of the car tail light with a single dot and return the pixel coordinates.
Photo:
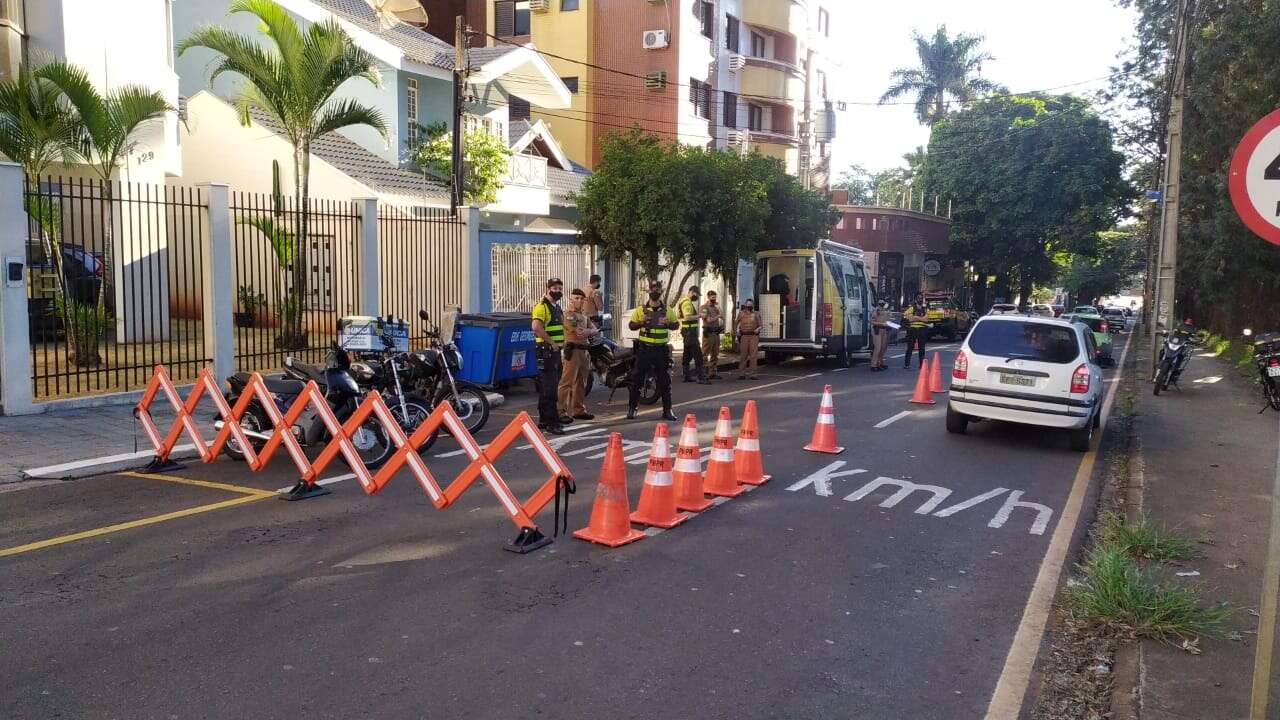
(1080, 380)
(960, 370)
(826, 318)
(1104, 326)
(1274, 362)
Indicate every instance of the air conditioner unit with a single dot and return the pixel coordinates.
(540, 5)
(736, 62)
(736, 137)
(654, 39)
(656, 80)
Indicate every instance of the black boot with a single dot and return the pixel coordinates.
(631, 413)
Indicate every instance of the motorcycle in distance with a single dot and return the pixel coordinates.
(1175, 353)
(341, 393)
(1266, 356)
(429, 374)
(611, 367)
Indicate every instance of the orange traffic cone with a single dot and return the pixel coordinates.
(921, 396)
(935, 375)
(746, 455)
(722, 476)
(609, 522)
(658, 496)
(688, 472)
(824, 431)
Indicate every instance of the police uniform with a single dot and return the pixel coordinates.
(689, 320)
(552, 318)
(651, 354)
(917, 332)
(712, 326)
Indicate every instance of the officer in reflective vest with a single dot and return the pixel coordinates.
(655, 321)
(689, 320)
(548, 327)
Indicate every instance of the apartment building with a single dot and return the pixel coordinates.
(748, 74)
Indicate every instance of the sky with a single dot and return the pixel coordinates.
(1037, 44)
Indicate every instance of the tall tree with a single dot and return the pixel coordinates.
(36, 129)
(947, 72)
(1030, 177)
(294, 82)
(858, 181)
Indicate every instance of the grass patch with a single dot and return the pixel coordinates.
(1115, 594)
(1145, 540)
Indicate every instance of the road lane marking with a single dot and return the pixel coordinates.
(200, 483)
(889, 421)
(1015, 677)
(141, 522)
(56, 471)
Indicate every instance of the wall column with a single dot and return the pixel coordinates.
(219, 282)
(475, 270)
(15, 333)
(370, 270)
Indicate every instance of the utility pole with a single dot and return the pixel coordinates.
(806, 125)
(459, 82)
(1170, 191)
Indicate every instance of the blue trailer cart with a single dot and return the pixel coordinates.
(496, 347)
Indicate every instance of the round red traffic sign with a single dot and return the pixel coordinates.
(1255, 178)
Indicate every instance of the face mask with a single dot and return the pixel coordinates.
(555, 295)
(655, 296)
(749, 308)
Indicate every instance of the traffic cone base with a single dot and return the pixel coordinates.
(922, 396)
(824, 430)
(657, 506)
(935, 375)
(609, 524)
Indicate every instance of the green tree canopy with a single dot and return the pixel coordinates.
(947, 72)
(1029, 177)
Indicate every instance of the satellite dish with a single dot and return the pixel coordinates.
(391, 12)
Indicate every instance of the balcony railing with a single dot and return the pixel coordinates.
(527, 170)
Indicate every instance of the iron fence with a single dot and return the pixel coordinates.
(115, 284)
(420, 254)
(520, 272)
(292, 284)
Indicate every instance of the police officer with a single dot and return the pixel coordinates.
(916, 315)
(655, 321)
(548, 327)
(689, 320)
(594, 304)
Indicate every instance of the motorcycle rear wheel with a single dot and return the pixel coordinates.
(253, 420)
(1272, 391)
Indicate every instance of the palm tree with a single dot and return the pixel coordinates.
(35, 128)
(293, 82)
(947, 71)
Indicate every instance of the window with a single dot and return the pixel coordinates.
(755, 117)
(757, 45)
(510, 18)
(731, 33)
(411, 105)
(730, 110)
(568, 4)
(857, 223)
(875, 223)
(822, 84)
(700, 96)
(571, 83)
(824, 22)
(518, 108)
(1040, 342)
(705, 11)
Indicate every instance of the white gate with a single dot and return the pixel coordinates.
(520, 272)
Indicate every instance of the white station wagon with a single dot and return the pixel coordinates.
(1029, 370)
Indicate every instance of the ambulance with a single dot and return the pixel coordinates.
(814, 302)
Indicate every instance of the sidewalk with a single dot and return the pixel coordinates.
(1207, 462)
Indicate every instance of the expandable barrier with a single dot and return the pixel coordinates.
(406, 452)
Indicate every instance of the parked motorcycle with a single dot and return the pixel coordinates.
(1175, 353)
(611, 366)
(1266, 356)
(430, 374)
(343, 395)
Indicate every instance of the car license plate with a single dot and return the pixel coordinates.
(1022, 380)
(1273, 371)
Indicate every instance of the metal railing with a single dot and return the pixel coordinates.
(115, 284)
(421, 266)
(290, 288)
(519, 272)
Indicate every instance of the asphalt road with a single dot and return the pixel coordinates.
(825, 593)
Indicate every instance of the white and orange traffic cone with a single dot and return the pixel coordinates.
(824, 430)
(610, 524)
(935, 375)
(688, 470)
(722, 475)
(657, 505)
(746, 455)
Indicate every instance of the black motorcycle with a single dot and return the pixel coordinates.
(1266, 356)
(1175, 353)
(611, 366)
(430, 374)
(341, 393)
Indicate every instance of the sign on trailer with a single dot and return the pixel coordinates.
(1255, 178)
